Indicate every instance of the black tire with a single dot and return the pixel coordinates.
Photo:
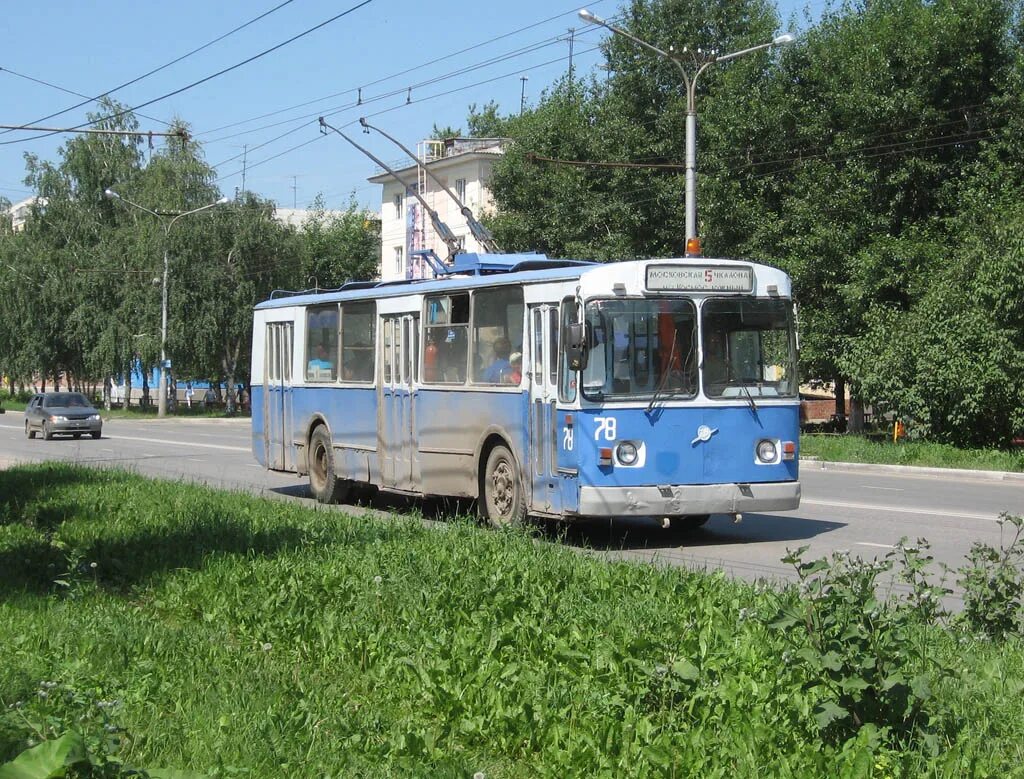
(694, 521)
(29, 432)
(323, 479)
(76, 435)
(95, 434)
(47, 433)
(502, 497)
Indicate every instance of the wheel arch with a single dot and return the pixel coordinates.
(317, 420)
(494, 436)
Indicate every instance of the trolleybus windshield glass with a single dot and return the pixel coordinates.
(749, 348)
(639, 348)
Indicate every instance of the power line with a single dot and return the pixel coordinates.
(144, 75)
(142, 133)
(212, 76)
(66, 91)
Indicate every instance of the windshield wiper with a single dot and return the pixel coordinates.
(668, 372)
(746, 391)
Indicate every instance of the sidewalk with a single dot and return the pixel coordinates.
(815, 464)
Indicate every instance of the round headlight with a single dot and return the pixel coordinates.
(626, 453)
(766, 451)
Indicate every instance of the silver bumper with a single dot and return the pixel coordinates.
(686, 499)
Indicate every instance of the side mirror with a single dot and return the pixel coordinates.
(575, 346)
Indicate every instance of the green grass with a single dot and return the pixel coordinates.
(236, 636)
(858, 449)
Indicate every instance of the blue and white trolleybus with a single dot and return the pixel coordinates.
(655, 388)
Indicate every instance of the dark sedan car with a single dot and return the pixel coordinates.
(62, 412)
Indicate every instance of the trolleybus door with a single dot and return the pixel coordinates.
(543, 453)
(277, 408)
(397, 394)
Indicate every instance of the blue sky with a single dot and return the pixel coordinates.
(271, 104)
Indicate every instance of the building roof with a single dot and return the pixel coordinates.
(442, 153)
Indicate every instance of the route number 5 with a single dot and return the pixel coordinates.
(605, 425)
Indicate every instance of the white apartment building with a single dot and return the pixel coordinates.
(464, 166)
(22, 210)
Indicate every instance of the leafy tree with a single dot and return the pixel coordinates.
(339, 247)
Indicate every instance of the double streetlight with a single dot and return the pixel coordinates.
(161, 408)
(701, 60)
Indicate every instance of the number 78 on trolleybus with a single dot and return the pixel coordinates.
(658, 388)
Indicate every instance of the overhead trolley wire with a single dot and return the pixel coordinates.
(212, 76)
(508, 74)
(384, 95)
(394, 75)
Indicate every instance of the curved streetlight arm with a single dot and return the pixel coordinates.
(110, 194)
(703, 60)
(161, 407)
(587, 16)
(481, 233)
(176, 217)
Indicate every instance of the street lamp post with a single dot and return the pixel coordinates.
(701, 61)
(161, 408)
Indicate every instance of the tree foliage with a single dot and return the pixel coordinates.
(876, 160)
(81, 286)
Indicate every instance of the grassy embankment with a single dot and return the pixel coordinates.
(235, 636)
(858, 449)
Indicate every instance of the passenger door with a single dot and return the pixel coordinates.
(543, 454)
(400, 467)
(277, 410)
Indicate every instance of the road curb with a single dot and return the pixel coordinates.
(816, 464)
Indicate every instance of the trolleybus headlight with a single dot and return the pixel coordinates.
(766, 451)
(626, 453)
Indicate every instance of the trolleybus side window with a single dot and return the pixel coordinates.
(322, 343)
(497, 334)
(447, 339)
(567, 386)
(358, 342)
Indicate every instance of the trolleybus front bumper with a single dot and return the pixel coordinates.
(688, 499)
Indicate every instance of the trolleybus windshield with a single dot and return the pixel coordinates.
(640, 348)
(749, 348)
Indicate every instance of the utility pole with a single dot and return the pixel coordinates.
(295, 191)
(572, 40)
(522, 94)
(245, 157)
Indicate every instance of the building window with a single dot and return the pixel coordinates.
(460, 189)
(398, 206)
(399, 261)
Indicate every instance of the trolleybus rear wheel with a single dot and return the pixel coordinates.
(323, 479)
(695, 520)
(502, 502)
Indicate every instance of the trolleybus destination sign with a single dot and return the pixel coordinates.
(700, 278)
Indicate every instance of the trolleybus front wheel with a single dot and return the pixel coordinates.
(692, 521)
(502, 502)
(323, 479)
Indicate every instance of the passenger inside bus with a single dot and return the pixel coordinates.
(500, 370)
(321, 366)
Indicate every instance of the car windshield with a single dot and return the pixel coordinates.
(640, 349)
(749, 348)
(66, 400)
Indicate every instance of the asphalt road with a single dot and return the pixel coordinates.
(862, 511)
